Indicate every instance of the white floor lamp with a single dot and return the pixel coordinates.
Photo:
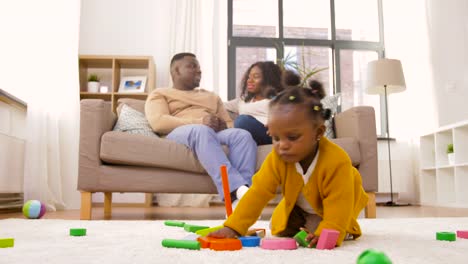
(385, 76)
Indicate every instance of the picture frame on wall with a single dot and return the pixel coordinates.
(132, 84)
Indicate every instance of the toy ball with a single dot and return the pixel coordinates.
(371, 256)
(34, 209)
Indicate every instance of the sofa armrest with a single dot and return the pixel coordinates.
(96, 118)
(359, 122)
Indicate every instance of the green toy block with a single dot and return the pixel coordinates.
(187, 244)
(194, 228)
(205, 232)
(77, 231)
(300, 238)
(174, 223)
(7, 242)
(371, 256)
(446, 236)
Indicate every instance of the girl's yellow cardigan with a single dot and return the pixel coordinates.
(334, 191)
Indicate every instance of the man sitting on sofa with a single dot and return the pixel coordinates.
(198, 119)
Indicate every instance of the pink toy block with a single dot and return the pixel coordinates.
(278, 243)
(462, 234)
(328, 238)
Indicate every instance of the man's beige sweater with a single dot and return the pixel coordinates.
(168, 108)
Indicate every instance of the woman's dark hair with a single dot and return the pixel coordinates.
(271, 80)
(308, 97)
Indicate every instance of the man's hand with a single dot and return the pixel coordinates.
(224, 232)
(216, 123)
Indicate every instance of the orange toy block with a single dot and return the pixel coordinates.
(220, 244)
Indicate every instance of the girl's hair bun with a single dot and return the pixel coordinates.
(317, 89)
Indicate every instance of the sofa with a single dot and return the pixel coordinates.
(112, 161)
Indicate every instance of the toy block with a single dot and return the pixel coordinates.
(462, 234)
(278, 243)
(205, 241)
(300, 238)
(328, 238)
(446, 236)
(371, 256)
(194, 228)
(7, 242)
(227, 194)
(206, 231)
(250, 241)
(77, 231)
(174, 223)
(187, 244)
(225, 244)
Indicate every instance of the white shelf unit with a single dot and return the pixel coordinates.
(443, 184)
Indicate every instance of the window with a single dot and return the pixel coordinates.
(339, 35)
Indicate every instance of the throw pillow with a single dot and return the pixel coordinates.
(133, 122)
(332, 102)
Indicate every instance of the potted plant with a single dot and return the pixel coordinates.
(450, 154)
(93, 83)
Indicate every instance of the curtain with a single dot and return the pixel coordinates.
(200, 27)
(196, 27)
(40, 65)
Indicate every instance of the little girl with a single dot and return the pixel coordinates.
(320, 187)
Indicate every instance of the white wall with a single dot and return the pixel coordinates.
(149, 32)
(448, 32)
(122, 27)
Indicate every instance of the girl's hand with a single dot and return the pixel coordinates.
(311, 238)
(224, 232)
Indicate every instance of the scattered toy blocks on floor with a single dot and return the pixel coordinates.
(194, 228)
(77, 231)
(371, 256)
(328, 238)
(462, 234)
(7, 242)
(250, 241)
(446, 236)
(174, 223)
(186, 244)
(279, 243)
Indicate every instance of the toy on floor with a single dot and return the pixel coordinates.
(77, 231)
(446, 236)
(206, 231)
(7, 242)
(34, 209)
(371, 256)
(278, 243)
(194, 228)
(227, 194)
(174, 223)
(462, 234)
(220, 244)
(250, 241)
(175, 243)
(328, 238)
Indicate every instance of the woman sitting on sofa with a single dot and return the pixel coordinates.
(261, 82)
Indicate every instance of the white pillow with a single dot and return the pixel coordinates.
(332, 102)
(133, 122)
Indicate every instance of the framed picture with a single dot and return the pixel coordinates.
(132, 84)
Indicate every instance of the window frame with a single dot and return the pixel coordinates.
(280, 42)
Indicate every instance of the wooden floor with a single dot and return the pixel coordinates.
(218, 212)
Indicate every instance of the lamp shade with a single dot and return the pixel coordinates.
(385, 73)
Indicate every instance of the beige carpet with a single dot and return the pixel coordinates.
(406, 240)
